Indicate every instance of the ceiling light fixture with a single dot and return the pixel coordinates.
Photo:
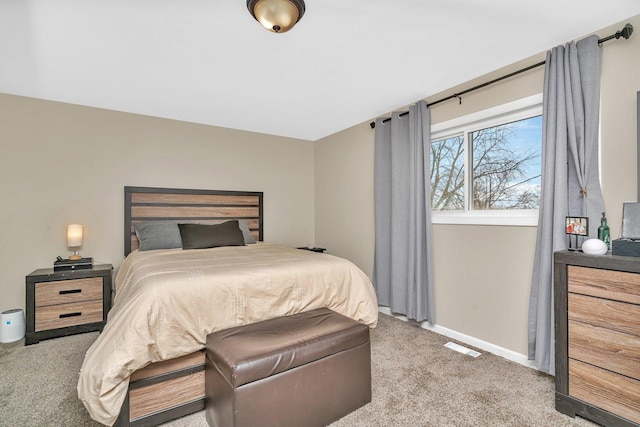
(278, 16)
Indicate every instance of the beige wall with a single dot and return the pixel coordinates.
(618, 132)
(482, 273)
(62, 164)
(344, 195)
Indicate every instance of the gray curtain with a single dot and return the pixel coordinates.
(570, 176)
(402, 275)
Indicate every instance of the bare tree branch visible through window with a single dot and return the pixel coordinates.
(505, 168)
(447, 174)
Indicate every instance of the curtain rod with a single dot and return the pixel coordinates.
(624, 33)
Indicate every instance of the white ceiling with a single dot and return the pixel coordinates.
(347, 61)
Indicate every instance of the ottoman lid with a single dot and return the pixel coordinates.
(251, 352)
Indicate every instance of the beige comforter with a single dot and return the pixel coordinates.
(167, 301)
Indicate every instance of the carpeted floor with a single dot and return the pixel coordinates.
(416, 382)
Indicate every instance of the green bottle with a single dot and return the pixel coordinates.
(603, 232)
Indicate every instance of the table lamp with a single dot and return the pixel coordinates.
(74, 239)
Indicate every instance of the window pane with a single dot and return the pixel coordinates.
(447, 173)
(507, 166)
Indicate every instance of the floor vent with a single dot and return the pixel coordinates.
(461, 349)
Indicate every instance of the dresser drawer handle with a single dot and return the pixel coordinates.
(78, 313)
(70, 291)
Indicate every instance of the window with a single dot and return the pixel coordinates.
(447, 173)
(486, 167)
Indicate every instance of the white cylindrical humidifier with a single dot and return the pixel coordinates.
(11, 325)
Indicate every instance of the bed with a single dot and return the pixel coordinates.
(147, 366)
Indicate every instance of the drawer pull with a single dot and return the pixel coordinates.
(70, 291)
(77, 313)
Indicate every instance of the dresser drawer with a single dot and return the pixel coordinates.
(64, 315)
(614, 351)
(67, 291)
(614, 315)
(615, 285)
(613, 392)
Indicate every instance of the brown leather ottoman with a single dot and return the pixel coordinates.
(308, 369)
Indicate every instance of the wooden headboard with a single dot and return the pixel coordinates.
(143, 204)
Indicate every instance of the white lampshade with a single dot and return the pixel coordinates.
(74, 235)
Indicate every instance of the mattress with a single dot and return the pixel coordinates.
(168, 301)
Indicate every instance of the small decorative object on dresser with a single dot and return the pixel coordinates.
(61, 303)
(597, 331)
(629, 243)
(604, 233)
(576, 226)
(594, 247)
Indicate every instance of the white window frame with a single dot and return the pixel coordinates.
(506, 113)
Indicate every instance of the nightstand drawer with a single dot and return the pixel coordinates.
(64, 315)
(68, 291)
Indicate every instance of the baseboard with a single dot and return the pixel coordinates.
(511, 355)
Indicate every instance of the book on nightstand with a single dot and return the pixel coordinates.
(73, 264)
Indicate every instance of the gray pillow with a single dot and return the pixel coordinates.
(158, 235)
(200, 236)
(246, 233)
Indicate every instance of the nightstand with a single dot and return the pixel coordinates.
(319, 250)
(61, 303)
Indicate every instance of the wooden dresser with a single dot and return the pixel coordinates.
(597, 329)
(61, 303)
